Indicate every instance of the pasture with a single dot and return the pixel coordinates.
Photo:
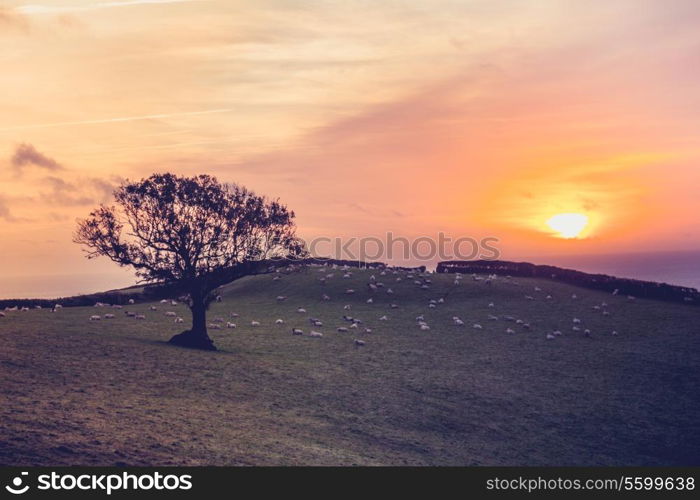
(114, 392)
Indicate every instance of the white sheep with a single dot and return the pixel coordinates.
(510, 330)
(132, 302)
(279, 321)
(383, 318)
(315, 334)
(215, 326)
(459, 322)
(254, 323)
(230, 325)
(109, 316)
(477, 326)
(281, 298)
(171, 314)
(297, 331)
(424, 327)
(179, 320)
(394, 306)
(349, 291)
(153, 308)
(342, 329)
(140, 316)
(550, 336)
(94, 317)
(301, 310)
(325, 297)
(359, 343)
(370, 300)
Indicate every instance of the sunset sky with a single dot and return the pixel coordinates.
(473, 117)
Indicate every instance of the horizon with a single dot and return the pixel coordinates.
(480, 120)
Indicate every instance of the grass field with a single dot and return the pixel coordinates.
(113, 392)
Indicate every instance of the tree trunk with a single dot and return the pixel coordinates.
(197, 337)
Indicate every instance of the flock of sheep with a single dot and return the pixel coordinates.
(375, 285)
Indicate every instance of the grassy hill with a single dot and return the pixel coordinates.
(113, 392)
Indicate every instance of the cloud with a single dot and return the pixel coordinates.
(26, 155)
(117, 119)
(11, 20)
(82, 192)
(60, 9)
(5, 213)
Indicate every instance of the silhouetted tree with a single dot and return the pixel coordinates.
(191, 232)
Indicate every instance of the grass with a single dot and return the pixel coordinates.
(113, 392)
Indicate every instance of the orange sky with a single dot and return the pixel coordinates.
(476, 118)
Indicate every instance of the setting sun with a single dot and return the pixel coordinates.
(568, 225)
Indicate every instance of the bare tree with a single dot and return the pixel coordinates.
(191, 232)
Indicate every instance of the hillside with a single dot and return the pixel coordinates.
(113, 392)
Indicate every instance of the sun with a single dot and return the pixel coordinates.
(569, 225)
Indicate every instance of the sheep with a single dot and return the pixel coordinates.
(614, 333)
(218, 298)
(230, 325)
(519, 322)
(57, 306)
(431, 306)
(347, 307)
(422, 318)
(153, 308)
(301, 310)
(354, 325)
(109, 316)
(631, 297)
(370, 301)
(349, 291)
(577, 321)
(215, 326)
(538, 289)
(164, 301)
(383, 318)
(424, 327)
(254, 323)
(130, 314)
(24, 309)
(576, 328)
(279, 321)
(347, 275)
(616, 291)
(297, 331)
(587, 332)
(342, 329)
(394, 306)
(493, 318)
(389, 291)
(325, 297)
(441, 300)
(318, 323)
(380, 284)
(115, 306)
(179, 320)
(140, 317)
(477, 326)
(424, 287)
(171, 314)
(2, 314)
(491, 304)
(606, 313)
(234, 315)
(550, 336)
(548, 297)
(173, 302)
(94, 317)
(132, 302)
(315, 334)
(574, 297)
(398, 280)
(347, 318)
(510, 330)
(281, 298)
(368, 330)
(526, 326)
(372, 278)
(276, 278)
(459, 322)
(556, 333)
(359, 343)
(219, 320)
(529, 297)
(509, 318)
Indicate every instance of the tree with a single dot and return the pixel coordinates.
(192, 233)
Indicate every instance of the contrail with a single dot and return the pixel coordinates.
(53, 9)
(115, 120)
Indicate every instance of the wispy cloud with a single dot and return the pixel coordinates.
(27, 155)
(5, 213)
(63, 9)
(115, 120)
